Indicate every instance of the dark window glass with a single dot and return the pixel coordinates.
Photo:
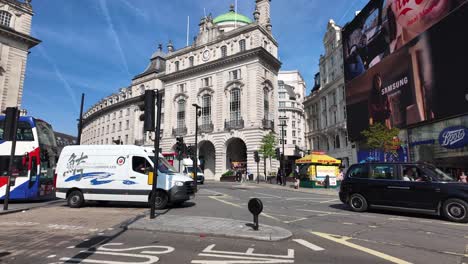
(23, 133)
(141, 165)
(383, 172)
(359, 171)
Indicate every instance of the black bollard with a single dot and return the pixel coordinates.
(255, 207)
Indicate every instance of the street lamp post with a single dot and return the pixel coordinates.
(195, 162)
(282, 125)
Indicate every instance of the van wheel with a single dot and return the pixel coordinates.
(456, 210)
(75, 199)
(358, 203)
(161, 200)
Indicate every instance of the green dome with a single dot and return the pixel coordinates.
(232, 16)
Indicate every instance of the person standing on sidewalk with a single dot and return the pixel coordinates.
(279, 177)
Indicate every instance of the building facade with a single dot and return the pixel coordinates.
(230, 71)
(325, 107)
(291, 94)
(15, 42)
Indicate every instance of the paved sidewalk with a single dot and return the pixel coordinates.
(210, 226)
(14, 207)
(290, 187)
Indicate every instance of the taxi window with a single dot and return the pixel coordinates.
(383, 172)
(359, 171)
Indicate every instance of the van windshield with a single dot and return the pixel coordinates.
(164, 166)
(190, 170)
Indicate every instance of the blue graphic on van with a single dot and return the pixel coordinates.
(97, 178)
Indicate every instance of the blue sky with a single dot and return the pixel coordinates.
(96, 46)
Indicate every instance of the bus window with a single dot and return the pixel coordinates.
(23, 133)
(19, 169)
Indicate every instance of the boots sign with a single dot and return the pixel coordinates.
(454, 137)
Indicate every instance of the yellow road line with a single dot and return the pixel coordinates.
(344, 241)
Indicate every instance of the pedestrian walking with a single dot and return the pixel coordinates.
(463, 177)
(238, 175)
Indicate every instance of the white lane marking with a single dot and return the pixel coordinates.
(296, 220)
(266, 194)
(242, 257)
(455, 224)
(223, 201)
(270, 216)
(344, 241)
(457, 254)
(330, 201)
(51, 256)
(307, 244)
(346, 223)
(398, 219)
(149, 259)
(71, 247)
(322, 212)
(306, 199)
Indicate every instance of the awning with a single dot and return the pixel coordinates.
(319, 158)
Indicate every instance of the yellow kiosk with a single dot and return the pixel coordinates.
(315, 168)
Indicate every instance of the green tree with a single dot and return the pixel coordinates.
(267, 149)
(379, 137)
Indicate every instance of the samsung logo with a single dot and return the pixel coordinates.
(394, 86)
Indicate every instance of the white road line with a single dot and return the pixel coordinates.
(330, 201)
(266, 194)
(322, 212)
(308, 244)
(297, 220)
(223, 201)
(344, 241)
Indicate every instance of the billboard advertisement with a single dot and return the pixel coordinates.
(404, 63)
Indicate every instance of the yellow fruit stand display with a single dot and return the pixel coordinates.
(314, 168)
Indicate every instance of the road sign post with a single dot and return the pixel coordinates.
(10, 129)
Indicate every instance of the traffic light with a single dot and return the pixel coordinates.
(278, 154)
(179, 148)
(11, 119)
(148, 117)
(256, 157)
(191, 151)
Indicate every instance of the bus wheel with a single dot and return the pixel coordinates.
(161, 200)
(75, 199)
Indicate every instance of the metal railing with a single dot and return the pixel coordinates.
(179, 131)
(268, 124)
(234, 124)
(206, 128)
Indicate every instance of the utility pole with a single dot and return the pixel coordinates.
(80, 121)
(282, 125)
(195, 162)
(157, 133)
(11, 127)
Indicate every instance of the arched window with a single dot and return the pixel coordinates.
(242, 45)
(181, 114)
(223, 51)
(176, 65)
(5, 18)
(206, 109)
(235, 106)
(266, 104)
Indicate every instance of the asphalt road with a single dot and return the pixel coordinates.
(324, 231)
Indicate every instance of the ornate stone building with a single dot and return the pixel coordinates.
(15, 42)
(230, 70)
(291, 94)
(325, 107)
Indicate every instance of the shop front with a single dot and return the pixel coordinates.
(443, 143)
(318, 171)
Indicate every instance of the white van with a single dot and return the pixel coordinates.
(186, 167)
(117, 173)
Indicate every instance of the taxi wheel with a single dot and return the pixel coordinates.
(161, 200)
(358, 203)
(75, 199)
(456, 210)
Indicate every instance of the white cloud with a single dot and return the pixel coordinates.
(114, 34)
(59, 75)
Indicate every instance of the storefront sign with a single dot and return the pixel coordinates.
(454, 137)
